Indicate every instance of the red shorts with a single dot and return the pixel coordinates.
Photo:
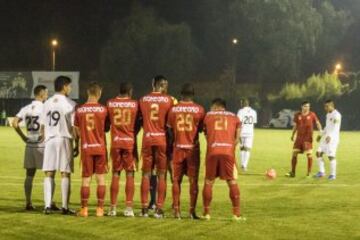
(122, 159)
(186, 161)
(154, 156)
(93, 164)
(302, 146)
(222, 166)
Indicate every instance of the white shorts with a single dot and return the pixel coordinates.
(247, 141)
(58, 155)
(328, 148)
(33, 157)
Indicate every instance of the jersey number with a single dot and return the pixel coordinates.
(221, 123)
(122, 117)
(184, 122)
(32, 123)
(54, 118)
(248, 120)
(90, 121)
(154, 113)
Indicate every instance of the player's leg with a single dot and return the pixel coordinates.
(115, 179)
(161, 168)
(129, 166)
(321, 163)
(211, 169)
(84, 194)
(100, 193)
(49, 177)
(234, 194)
(28, 185)
(147, 157)
(331, 153)
(65, 193)
(153, 189)
(66, 166)
(296, 150)
(242, 153)
(176, 185)
(193, 167)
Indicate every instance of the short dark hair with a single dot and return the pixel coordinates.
(94, 88)
(38, 89)
(245, 101)
(304, 103)
(125, 88)
(330, 101)
(61, 82)
(219, 102)
(158, 80)
(188, 90)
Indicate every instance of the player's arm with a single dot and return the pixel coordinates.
(16, 126)
(294, 130)
(76, 134)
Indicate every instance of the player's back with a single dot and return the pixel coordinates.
(154, 110)
(58, 116)
(185, 120)
(123, 116)
(90, 119)
(31, 114)
(248, 118)
(220, 128)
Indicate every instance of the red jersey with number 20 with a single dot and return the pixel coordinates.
(154, 110)
(90, 119)
(122, 113)
(220, 128)
(185, 120)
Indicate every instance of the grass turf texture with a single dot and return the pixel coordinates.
(283, 208)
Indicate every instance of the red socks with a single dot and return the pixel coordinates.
(309, 165)
(114, 190)
(84, 195)
(129, 190)
(194, 189)
(161, 192)
(235, 198)
(207, 196)
(145, 187)
(101, 190)
(176, 194)
(293, 164)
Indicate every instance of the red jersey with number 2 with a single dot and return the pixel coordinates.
(220, 128)
(123, 116)
(154, 110)
(90, 119)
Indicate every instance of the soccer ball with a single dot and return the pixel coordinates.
(270, 173)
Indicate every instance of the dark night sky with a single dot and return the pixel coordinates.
(81, 28)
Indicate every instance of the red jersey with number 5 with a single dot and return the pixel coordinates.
(220, 128)
(185, 119)
(90, 118)
(154, 110)
(123, 113)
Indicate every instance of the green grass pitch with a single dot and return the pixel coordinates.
(284, 208)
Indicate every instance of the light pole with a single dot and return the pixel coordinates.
(54, 44)
(235, 42)
(338, 68)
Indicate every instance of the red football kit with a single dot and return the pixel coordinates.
(90, 119)
(123, 113)
(154, 109)
(220, 128)
(305, 128)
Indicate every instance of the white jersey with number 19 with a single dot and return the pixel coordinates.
(248, 118)
(58, 117)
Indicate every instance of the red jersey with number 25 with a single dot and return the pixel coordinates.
(123, 116)
(220, 128)
(90, 119)
(185, 120)
(154, 110)
(305, 126)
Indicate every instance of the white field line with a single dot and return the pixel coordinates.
(37, 182)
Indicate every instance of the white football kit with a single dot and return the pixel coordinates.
(332, 130)
(34, 150)
(58, 120)
(248, 118)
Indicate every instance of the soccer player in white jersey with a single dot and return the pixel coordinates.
(34, 149)
(248, 118)
(57, 122)
(329, 140)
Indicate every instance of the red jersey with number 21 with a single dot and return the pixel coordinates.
(220, 128)
(154, 110)
(90, 119)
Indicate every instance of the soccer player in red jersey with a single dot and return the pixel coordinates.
(90, 121)
(154, 109)
(185, 120)
(222, 130)
(123, 114)
(304, 122)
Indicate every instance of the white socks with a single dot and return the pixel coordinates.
(47, 191)
(28, 183)
(333, 167)
(321, 165)
(65, 191)
(245, 156)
